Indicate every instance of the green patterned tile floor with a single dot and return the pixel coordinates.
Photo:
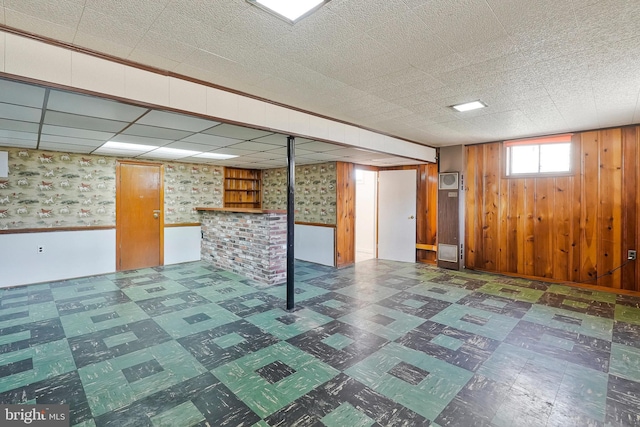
(377, 344)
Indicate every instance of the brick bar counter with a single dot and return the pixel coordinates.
(249, 242)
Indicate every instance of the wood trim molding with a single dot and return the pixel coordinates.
(424, 247)
(316, 224)
(56, 229)
(168, 73)
(183, 224)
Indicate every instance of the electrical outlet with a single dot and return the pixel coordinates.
(632, 254)
(40, 249)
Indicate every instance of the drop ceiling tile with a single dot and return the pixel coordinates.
(82, 122)
(238, 132)
(275, 139)
(320, 156)
(283, 151)
(23, 143)
(257, 27)
(155, 132)
(211, 140)
(133, 139)
(76, 133)
(62, 12)
(234, 152)
(67, 148)
(71, 141)
(92, 106)
(12, 134)
(266, 155)
(254, 146)
(19, 126)
(110, 27)
(140, 13)
(21, 94)
(18, 112)
(190, 146)
(100, 44)
(176, 121)
(36, 25)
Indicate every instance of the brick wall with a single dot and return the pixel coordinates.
(252, 245)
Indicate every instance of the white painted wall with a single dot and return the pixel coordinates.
(67, 254)
(181, 244)
(315, 244)
(366, 198)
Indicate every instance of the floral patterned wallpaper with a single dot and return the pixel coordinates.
(52, 189)
(315, 192)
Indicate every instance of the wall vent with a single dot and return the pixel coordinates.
(448, 253)
(448, 181)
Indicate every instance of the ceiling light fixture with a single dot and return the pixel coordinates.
(113, 145)
(216, 156)
(290, 10)
(468, 106)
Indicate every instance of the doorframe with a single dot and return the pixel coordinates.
(119, 212)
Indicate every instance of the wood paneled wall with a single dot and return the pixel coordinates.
(427, 211)
(345, 214)
(571, 228)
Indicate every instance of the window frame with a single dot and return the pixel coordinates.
(555, 139)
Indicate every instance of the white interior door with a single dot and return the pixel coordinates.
(366, 200)
(397, 215)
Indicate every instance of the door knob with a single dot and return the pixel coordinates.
(156, 214)
(411, 217)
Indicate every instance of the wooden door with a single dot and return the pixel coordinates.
(397, 194)
(139, 215)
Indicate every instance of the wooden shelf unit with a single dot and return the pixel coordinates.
(242, 188)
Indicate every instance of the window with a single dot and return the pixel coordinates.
(540, 156)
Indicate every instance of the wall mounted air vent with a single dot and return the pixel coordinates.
(447, 253)
(448, 181)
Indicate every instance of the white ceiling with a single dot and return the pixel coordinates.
(50, 119)
(542, 66)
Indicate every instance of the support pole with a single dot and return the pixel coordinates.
(291, 177)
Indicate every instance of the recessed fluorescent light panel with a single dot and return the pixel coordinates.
(290, 10)
(125, 146)
(215, 156)
(468, 106)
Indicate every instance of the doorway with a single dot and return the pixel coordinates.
(397, 192)
(366, 213)
(139, 215)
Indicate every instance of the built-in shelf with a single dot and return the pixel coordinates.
(242, 188)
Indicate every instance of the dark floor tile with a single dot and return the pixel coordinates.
(196, 318)
(407, 303)
(142, 370)
(408, 373)
(216, 403)
(12, 316)
(196, 282)
(567, 319)
(628, 300)
(623, 402)
(104, 317)
(381, 319)
(496, 304)
(13, 368)
(459, 348)
(238, 307)
(156, 306)
(449, 279)
(587, 351)
(210, 351)
(334, 305)
(578, 304)
(65, 389)
(10, 299)
(345, 401)
(275, 371)
(626, 333)
(476, 320)
(476, 404)
(41, 332)
(338, 344)
(91, 348)
(76, 305)
(138, 280)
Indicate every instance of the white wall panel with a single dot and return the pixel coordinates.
(188, 96)
(145, 86)
(37, 60)
(221, 104)
(181, 244)
(96, 74)
(2, 43)
(67, 254)
(315, 244)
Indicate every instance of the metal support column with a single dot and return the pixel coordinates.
(291, 177)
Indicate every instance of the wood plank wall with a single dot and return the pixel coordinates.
(345, 214)
(572, 228)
